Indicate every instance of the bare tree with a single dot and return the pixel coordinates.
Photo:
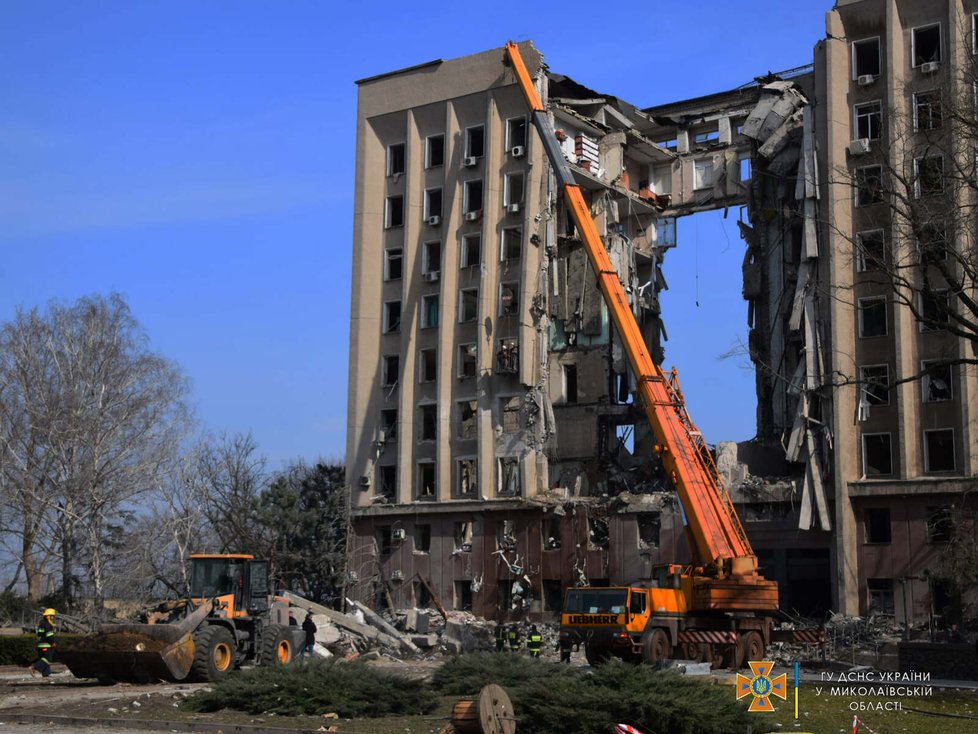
(90, 419)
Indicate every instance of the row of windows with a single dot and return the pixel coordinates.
(509, 479)
(935, 385)
(877, 526)
(928, 114)
(507, 362)
(934, 306)
(472, 201)
(928, 180)
(468, 307)
(932, 247)
(938, 452)
(470, 254)
(925, 48)
(474, 147)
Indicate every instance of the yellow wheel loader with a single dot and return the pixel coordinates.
(230, 619)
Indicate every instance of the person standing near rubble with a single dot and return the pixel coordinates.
(45, 644)
(533, 642)
(515, 639)
(309, 627)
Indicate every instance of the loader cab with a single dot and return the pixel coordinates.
(239, 581)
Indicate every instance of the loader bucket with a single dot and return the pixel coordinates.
(132, 652)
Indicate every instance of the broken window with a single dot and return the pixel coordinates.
(463, 536)
(876, 521)
(393, 263)
(426, 480)
(468, 305)
(434, 151)
(570, 383)
(463, 596)
(471, 250)
(504, 594)
(880, 595)
(665, 232)
(475, 142)
(510, 477)
(875, 381)
(509, 298)
(866, 58)
(392, 317)
(429, 421)
(505, 536)
(550, 532)
(702, 174)
(388, 482)
(391, 369)
(422, 597)
(429, 365)
(868, 120)
(869, 185)
(382, 536)
(422, 538)
(516, 134)
(467, 480)
(927, 110)
(394, 212)
(936, 381)
(926, 44)
(553, 595)
(508, 356)
(429, 311)
(513, 189)
(597, 534)
(509, 409)
(707, 137)
(395, 159)
(940, 524)
(649, 524)
(928, 175)
(669, 143)
(870, 250)
(467, 354)
(939, 450)
(467, 414)
(511, 243)
(472, 198)
(872, 316)
(431, 257)
(388, 424)
(877, 459)
(935, 310)
(432, 204)
(745, 168)
(932, 243)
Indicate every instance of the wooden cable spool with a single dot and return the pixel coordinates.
(490, 713)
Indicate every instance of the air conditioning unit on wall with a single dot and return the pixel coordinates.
(864, 80)
(364, 480)
(517, 151)
(473, 216)
(432, 276)
(397, 575)
(859, 146)
(931, 67)
(513, 208)
(469, 161)
(397, 534)
(434, 220)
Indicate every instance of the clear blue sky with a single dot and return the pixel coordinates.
(198, 158)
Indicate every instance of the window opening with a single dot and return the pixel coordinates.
(512, 243)
(929, 175)
(940, 524)
(506, 535)
(935, 310)
(463, 596)
(435, 151)
(508, 356)
(467, 354)
(702, 174)
(395, 159)
(649, 526)
(467, 418)
(388, 482)
(468, 305)
(509, 409)
(429, 421)
(426, 480)
(869, 120)
(939, 450)
(392, 317)
(570, 383)
(510, 479)
(475, 142)
(936, 381)
(870, 251)
(394, 212)
(597, 534)
(872, 316)
(468, 477)
(866, 58)
(463, 536)
(880, 595)
(431, 258)
(928, 113)
(515, 133)
(550, 530)
(513, 189)
(877, 458)
(926, 44)
(933, 243)
(877, 524)
(509, 299)
(382, 535)
(875, 384)
(422, 538)
(388, 424)
(422, 597)
(391, 369)
(394, 260)
(472, 197)
(471, 250)
(429, 308)
(432, 203)
(429, 366)
(553, 595)
(869, 185)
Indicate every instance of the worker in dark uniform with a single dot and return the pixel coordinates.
(533, 642)
(500, 637)
(515, 640)
(309, 627)
(45, 644)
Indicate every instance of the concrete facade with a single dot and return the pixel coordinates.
(494, 450)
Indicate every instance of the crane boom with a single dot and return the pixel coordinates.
(718, 538)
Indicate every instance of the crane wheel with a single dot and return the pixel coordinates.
(752, 645)
(276, 646)
(595, 657)
(698, 652)
(214, 654)
(656, 646)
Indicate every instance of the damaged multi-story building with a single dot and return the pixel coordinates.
(495, 450)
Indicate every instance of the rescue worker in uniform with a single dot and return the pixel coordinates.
(514, 638)
(500, 637)
(533, 642)
(45, 644)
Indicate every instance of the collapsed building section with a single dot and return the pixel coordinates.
(496, 451)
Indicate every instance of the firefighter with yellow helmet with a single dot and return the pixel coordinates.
(45, 644)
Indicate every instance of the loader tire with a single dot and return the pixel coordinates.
(276, 646)
(214, 654)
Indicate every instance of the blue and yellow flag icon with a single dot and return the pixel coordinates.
(762, 686)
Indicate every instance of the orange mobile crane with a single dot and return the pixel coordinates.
(719, 610)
